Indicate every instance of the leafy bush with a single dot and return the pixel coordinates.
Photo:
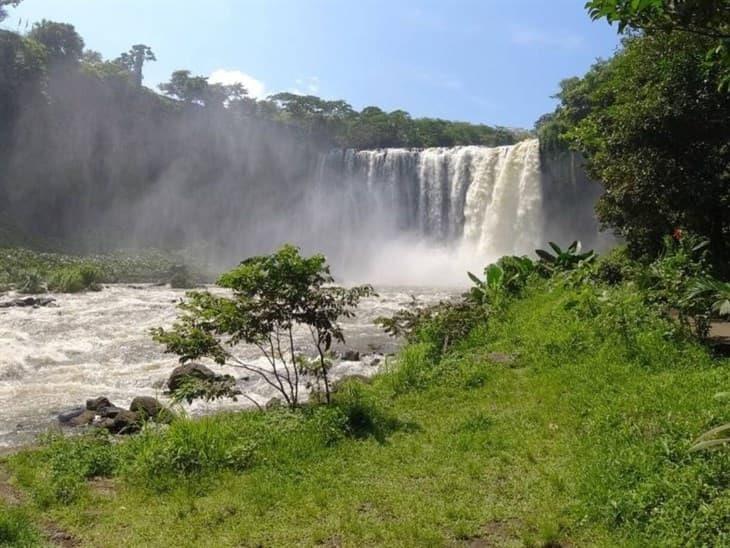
(74, 279)
(31, 282)
(564, 259)
(614, 267)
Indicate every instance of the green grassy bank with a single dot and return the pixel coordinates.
(566, 420)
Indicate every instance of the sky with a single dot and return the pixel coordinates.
(485, 61)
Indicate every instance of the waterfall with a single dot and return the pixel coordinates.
(484, 199)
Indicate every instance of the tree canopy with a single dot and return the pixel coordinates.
(654, 128)
(706, 18)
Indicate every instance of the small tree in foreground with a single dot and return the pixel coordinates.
(272, 296)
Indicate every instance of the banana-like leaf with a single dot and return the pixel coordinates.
(545, 256)
(556, 248)
(474, 278)
(495, 276)
(700, 246)
(574, 247)
(722, 307)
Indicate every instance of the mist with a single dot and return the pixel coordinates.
(93, 167)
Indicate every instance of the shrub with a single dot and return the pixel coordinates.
(31, 282)
(74, 279)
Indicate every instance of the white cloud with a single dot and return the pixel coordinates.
(306, 86)
(255, 88)
(526, 36)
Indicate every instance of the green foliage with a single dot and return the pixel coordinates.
(507, 277)
(652, 127)
(272, 295)
(17, 528)
(74, 279)
(707, 18)
(25, 268)
(440, 325)
(615, 266)
(61, 41)
(30, 282)
(717, 292)
(187, 450)
(564, 260)
(365, 414)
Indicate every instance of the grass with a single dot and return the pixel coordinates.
(581, 441)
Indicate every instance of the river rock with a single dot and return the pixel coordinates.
(84, 418)
(95, 404)
(28, 301)
(66, 416)
(109, 411)
(182, 372)
(147, 407)
(126, 422)
(350, 356)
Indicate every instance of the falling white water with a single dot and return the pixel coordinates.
(471, 202)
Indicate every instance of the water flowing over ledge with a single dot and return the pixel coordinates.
(468, 204)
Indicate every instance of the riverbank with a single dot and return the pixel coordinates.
(552, 425)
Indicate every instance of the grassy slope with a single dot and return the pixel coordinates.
(582, 440)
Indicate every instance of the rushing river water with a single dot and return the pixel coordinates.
(98, 344)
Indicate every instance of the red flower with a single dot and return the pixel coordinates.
(677, 234)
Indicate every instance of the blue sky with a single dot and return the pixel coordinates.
(488, 61)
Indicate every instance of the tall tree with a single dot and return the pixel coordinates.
(655, 128)
(707, 18)
(185, 87)
(62, 42)
(134, 60)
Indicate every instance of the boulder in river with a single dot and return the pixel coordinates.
(95, 404)
(350, 356)
(126, 422)
(28, 302)
(189, 370)
(147, 407)
(84, 418)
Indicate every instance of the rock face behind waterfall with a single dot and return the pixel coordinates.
(496, 200)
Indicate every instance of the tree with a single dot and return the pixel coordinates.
(706, 18)
(134, 60)
(273, 296)
(654, 129)
(3, 6)
(186, 88)
(62, 42)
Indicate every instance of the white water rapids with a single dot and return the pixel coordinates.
(98, 344)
